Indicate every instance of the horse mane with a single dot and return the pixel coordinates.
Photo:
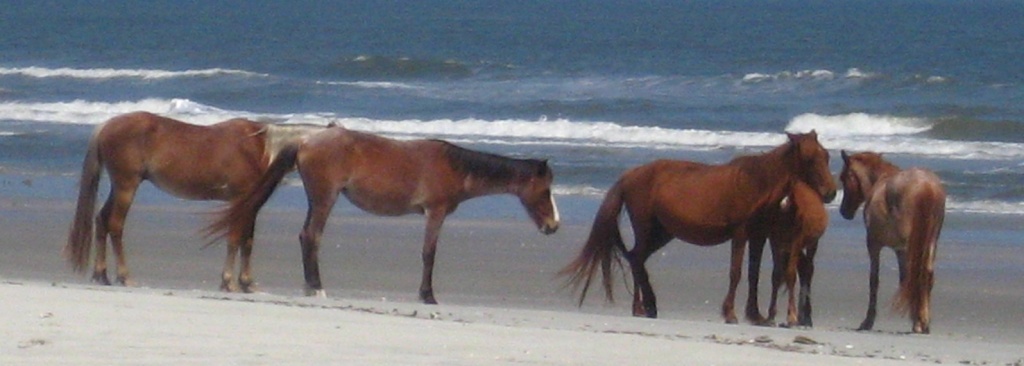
(877, 166)
(756, 162)
(489, 166)
(278, 136)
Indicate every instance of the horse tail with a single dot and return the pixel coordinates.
(604, 246)
(79, 244)
(241, 212)
(924, 235)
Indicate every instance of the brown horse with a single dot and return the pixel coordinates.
(390, 178)
(701, 204)
(218, 162)
(793, 228)
(903, 210)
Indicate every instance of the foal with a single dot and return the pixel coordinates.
(793, 228)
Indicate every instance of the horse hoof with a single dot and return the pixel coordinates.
(249, 289)
(228, 287)
(101, 279)
(319, 293)
(757, 319)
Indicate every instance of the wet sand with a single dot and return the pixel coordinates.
(496, 282)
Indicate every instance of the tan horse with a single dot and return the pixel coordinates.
(390, 178)
(793, 228)
(903, 210)
(701, 204)
(218, 162)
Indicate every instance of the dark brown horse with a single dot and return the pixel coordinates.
(701, 204)
(793, 228)
(903, 210)
(390, 178)
(218, 162)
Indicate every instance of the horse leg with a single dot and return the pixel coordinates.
(779, 262)
(648, 305)
(120, 201)
(806, 273)
(735, 272)
(869, 319)
(915, 315)
(648, 239)
(435, 218)
(753, 310)
(320, 206)
(924, 316)
(99, 272)
(791, 268)
(245, 280)
(227, 275)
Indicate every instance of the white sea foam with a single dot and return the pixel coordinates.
(371, 84)
(814, 75)
(88, 112)
(109, 73)
(855, 132)
(987, 207)
(858, 124)
(578, 190)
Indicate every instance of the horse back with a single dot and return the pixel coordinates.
(710, 193)
(678, 195)
(898, 199)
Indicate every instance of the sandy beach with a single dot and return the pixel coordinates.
(501, 302)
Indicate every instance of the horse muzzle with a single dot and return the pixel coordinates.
(549, 227)
(829, 196)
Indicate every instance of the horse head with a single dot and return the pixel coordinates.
(813, 164)
(537, 199)
(853, 177)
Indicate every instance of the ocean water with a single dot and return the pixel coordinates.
(594, 86)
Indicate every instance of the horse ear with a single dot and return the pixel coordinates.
(846, 158)
(543, 169)
(813, 134)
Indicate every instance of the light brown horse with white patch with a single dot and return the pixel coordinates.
(389, 177)
(793, 228)
(903, 210)
(217, 162)
(701, 204)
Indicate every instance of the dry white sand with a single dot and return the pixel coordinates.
(48, 324)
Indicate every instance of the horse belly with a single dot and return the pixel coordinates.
(699, 234)
(693, 225)
(383, 203)
(197, 189)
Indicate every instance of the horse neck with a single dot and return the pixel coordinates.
(878, 172)
(771, 171)
(475, 186)
(487, 174)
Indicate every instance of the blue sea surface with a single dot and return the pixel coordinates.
(595, 86)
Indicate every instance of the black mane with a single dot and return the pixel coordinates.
(492, 166)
